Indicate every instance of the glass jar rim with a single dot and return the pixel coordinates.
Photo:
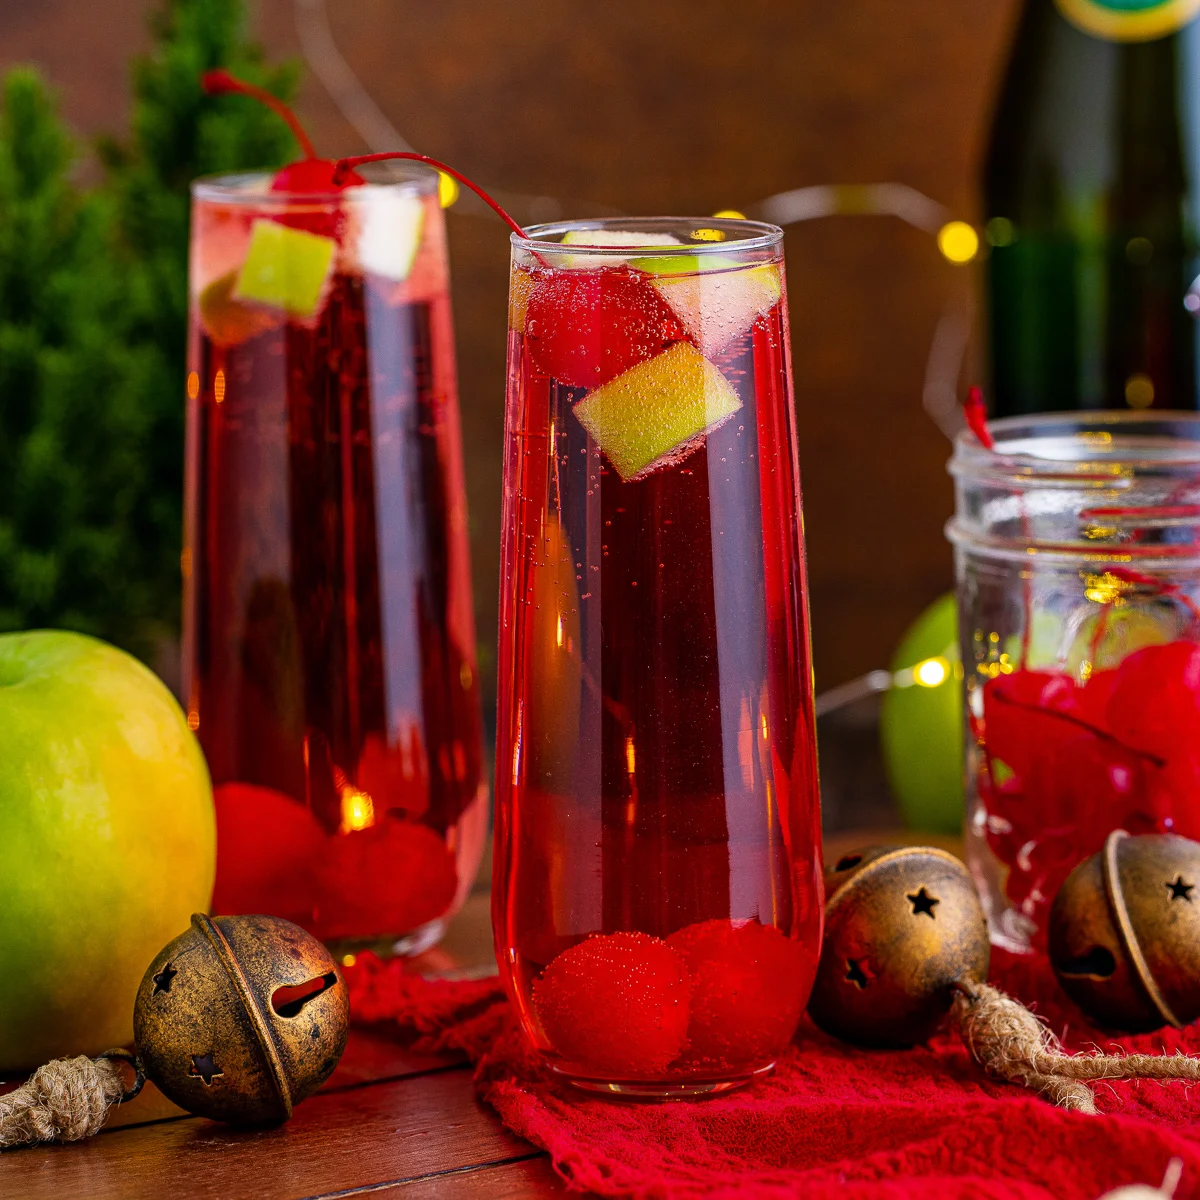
(1041, 462)
(746, 236)
(253, 188)
(1104, 445)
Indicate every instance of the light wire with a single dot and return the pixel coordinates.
(951, 335)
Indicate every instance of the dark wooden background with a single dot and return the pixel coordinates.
(675, 106)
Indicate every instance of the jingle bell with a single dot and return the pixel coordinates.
(902, 925)
(240, 1018)
(1124, 932)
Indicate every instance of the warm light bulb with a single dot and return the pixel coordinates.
(958, 241)
(447, 189)
(1139, 391)
(932, 672)
(358, 809)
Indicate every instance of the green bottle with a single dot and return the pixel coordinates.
(1092, 209)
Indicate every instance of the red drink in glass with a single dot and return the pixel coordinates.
(329, 640)
(658, 890)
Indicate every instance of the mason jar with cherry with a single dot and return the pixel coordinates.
(1077, 551)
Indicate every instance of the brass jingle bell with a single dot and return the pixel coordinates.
(1124, 933)
(240, 1018)
(902, 925)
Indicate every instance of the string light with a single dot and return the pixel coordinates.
(447, 189)
(958, 242)
(933, 672)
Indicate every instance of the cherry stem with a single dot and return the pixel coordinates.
(1129, 575)
(975, 412)
(221, 82)
(343, 165)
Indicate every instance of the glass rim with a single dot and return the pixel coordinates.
(1111, 438)
(1117, 453)
(252, 188)
(752, 235)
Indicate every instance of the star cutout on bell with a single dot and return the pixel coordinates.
(1180, 890)
(204, 1067)
(855, 973)
(923, 902)
(162, 981)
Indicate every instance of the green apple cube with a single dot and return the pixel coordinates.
(285, 268)
(716, 304)
(658, 411)
(617, 237)
(389, 232)
(613, 238)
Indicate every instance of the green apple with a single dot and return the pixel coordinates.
(107, 840)
(921, 722)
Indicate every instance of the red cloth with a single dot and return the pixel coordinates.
(832, 1121)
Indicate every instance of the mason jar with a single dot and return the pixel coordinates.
(1077, 560)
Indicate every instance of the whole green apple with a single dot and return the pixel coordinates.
(107, 840)
(921, 722)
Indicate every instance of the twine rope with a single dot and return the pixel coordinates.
(66, 1100)
(1008, 1041)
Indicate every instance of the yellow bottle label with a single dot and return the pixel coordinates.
(1129, 20)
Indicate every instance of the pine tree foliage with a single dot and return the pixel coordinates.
(93, 317)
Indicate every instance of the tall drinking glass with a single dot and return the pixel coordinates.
(329, 645)
(658, 896)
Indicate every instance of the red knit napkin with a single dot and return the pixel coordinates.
(832, 1121)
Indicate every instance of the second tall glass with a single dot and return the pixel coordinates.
(658, 892)
(329, 640)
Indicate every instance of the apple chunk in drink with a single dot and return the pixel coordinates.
(658, 893)
(330, 651)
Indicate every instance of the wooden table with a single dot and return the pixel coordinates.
(387, 1121)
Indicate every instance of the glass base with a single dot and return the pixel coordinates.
(421, 939)
(1008, 928)
(668, 1089)
(408, 946)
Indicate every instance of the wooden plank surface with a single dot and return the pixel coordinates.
(355, 1137)
(387, 1119)
(531, 1177)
